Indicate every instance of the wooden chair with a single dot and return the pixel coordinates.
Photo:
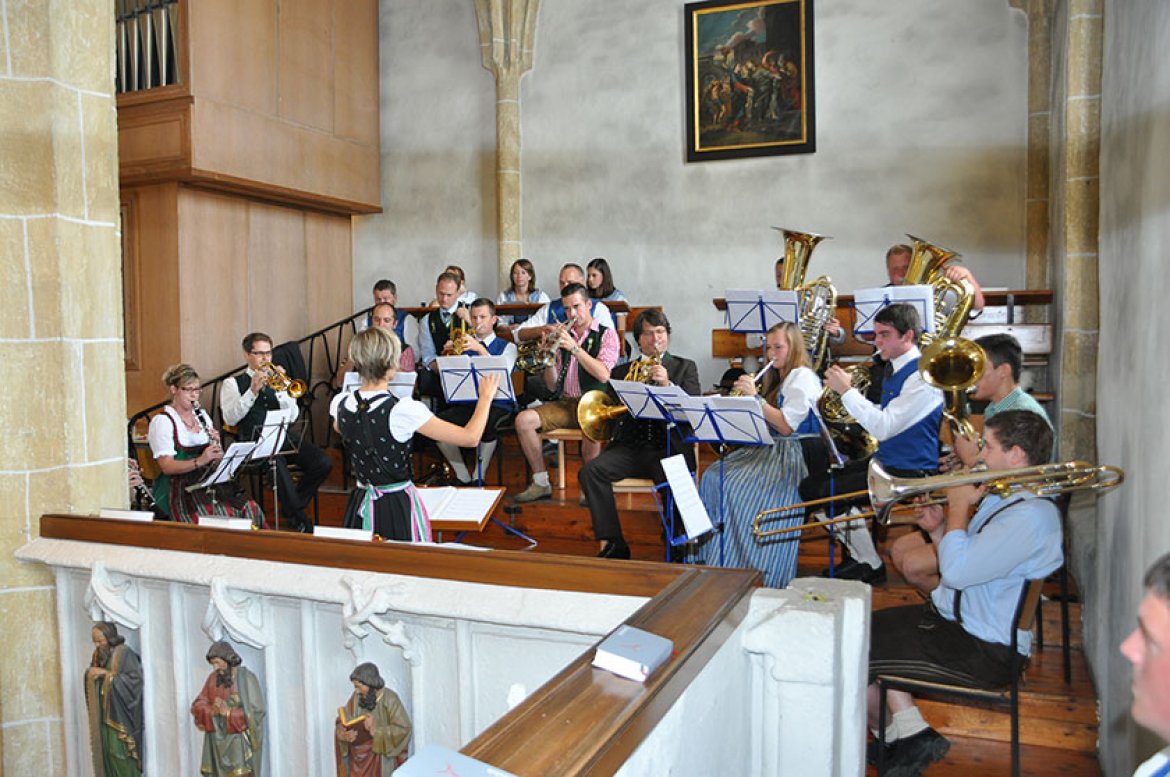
(560, 436)
(1024, 619)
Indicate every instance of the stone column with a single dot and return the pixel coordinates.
(1078, 163)
(62, 419)
(1038, 272)
(507, 32)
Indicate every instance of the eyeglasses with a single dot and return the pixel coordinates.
(193, 389)
(260, 353)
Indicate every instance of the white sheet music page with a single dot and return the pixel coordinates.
(686, 496)
(458, 504)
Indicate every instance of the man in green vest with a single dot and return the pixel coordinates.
(586, 352)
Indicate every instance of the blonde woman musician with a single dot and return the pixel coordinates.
(759, 477)
(184, 444)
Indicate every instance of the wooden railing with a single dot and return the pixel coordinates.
(583, 721)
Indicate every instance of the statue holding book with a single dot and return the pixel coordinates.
(113, 698)
(230, 713)
(373, 730)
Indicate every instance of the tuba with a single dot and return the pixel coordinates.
(952, 299)
(817, 300)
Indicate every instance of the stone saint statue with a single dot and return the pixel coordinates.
(373, 729)
(230, 713)
(113, 697)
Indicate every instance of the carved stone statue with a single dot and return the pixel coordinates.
(113, 697)
(373, 729)
(230, 713)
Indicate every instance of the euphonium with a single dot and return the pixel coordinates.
(954, 364)
(536, 355)
(278, 381)
(818, 300)
(851, 439)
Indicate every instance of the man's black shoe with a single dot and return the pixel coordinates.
(847, 565)
(909, 756)
(871, 752)
(863, 572)
(615, 549)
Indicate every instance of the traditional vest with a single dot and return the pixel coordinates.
(917, 446)
(264, 402)
(375, 456)
(587, 382)
(440, 332)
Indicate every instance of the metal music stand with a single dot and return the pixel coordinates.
(224, 471)
(460, 376)
(272, 440)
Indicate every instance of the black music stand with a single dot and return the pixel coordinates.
(272, 439)
(224, 471)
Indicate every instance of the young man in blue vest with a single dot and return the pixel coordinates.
(245, 402)
(905, 422)
(481, 341)
(585, 355)
(962, 634)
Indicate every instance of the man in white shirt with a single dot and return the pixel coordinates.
(245, 402)
(1148, 649)
(481, 341)
(905, 423)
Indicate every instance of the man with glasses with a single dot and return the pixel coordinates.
(245, 402)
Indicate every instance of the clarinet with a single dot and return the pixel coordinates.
(142, 494)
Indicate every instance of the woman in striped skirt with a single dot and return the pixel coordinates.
(756, 478)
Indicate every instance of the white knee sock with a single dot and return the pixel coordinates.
(485, 451)
(856, 537)
(891, 732)
(909, 722)
(454, 457)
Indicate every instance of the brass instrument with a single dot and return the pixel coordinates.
(459, 337)
(850, 437)
(278, 381)
(755, 380)
(952, 299)
(537, 355)
(596, 409)
(886, 491)
(817, 300)
(954, 364)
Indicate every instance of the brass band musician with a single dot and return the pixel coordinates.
(637, 447)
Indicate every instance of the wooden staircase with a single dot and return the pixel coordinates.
(1058, 725)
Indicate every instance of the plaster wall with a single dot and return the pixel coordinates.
(1133, 373)
(922, 120)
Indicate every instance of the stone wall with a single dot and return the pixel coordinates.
(60, 332)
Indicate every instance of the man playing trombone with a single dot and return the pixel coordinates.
(638, 447)
(905, 423)
(962, 634)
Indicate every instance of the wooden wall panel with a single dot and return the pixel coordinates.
(153, 220)
(276, 272)
(305, 52)
(355, 70)
(233, 52)
(328, 268)
(213, 256)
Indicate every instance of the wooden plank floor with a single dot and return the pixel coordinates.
(1058, 721)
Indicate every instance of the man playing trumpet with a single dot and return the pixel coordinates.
(962, 634)
(245, 403)
(586, 352)
(637, 447)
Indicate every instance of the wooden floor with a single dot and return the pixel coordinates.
(1058, 721)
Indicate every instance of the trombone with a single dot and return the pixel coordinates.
(886, 492)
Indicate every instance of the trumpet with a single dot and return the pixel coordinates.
(459, 337)
(278, 381)
(886, 492)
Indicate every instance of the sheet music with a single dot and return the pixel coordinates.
(460, 377)
(220, 522)
(645, 401)
(458, 504)
(123, 514)
(402, 384)
(686, 496)
(350, 382)
(758, 310)
(272, 434)
(225, 469)
(867, 303)
(339, 533)
(738, 420)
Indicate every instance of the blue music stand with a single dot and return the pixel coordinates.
(868, 302)
(726, 421)
(753, 310)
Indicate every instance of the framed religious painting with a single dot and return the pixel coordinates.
(749, 79)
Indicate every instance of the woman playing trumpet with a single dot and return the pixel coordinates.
(184, 443)
(755, 478)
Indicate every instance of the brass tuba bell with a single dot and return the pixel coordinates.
(954, 364)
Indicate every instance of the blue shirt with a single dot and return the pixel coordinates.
(990, 562)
